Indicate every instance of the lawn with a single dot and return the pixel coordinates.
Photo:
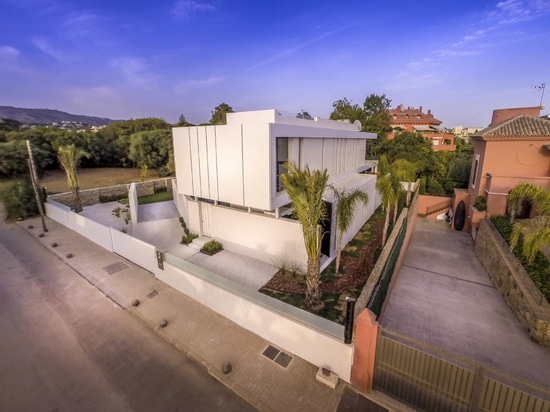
(90, 178)
(157, 197)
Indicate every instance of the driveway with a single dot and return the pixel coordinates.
(442, 296)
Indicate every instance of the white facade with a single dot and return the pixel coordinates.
(229, 178)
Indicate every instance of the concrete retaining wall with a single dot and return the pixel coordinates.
(513, 282)
(94, 196)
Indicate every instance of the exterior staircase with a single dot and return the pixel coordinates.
(199, 242)
(437, 208)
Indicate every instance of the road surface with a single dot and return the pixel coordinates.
(64, 346)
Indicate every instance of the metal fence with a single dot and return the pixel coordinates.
(379, 294)
(430, 379)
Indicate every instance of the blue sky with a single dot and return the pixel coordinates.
(130, 59)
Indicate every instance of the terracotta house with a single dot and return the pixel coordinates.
(515, 148)
(415, 121)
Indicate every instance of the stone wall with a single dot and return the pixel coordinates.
(513, 282)
(106, 194)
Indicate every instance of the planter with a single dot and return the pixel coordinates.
(206, 252)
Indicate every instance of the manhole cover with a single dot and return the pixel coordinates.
(283, 359)
(271, 352)
(115, 267)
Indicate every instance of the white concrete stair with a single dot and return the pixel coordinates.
(199, 242)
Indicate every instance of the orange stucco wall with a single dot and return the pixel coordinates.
(504, 163)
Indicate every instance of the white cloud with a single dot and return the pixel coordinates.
(80, 23)
(46, 47)
(9, 53)
(185, 85)
(183, 9)
(135, 71)
(292, 50)
(516, 11)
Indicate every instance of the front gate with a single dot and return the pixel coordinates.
(430, 379)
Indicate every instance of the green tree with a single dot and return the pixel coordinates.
(377, 119)
(459, 170)
(69, 157)
(305, 190)
(219, 114)
(345, 110)
(537, 229)
(9, 125)
(373, 116)
(405, 171)
(346, 205)
(183, 121)
(18, 198)
(150, 148)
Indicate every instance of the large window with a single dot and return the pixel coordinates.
(282, 157)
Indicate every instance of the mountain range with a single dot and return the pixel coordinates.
(49, 116)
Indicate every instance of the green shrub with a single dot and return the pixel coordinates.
(212, 247)
(112, 198)
(188, 237)
(160, 189)
(480, 204)
(539, 269)
(503, 226)
(18, 199)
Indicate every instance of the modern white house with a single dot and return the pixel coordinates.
(228, 180)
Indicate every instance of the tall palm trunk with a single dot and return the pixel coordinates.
(386, 225)
(339, 254)
(68, 158)
(313, 294)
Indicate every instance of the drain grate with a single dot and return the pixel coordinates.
(283, 359)
(271, 352)
(115, 267)
(280, 358)
(153, 293)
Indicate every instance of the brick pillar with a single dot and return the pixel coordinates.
(362, 370)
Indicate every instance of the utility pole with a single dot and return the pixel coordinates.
(34, 180)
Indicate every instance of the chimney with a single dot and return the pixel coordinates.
(420, 109)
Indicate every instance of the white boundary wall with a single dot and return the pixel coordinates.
(135, 250)
(265, 318)
(308, 336)
(94, 231)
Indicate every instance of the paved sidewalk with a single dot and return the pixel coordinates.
(204, 335)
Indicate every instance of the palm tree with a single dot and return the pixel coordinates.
(537, 228)
(346, 204)
(404, 171)
(68, 158)
(305, 189)
(386, 187)
(389, 187)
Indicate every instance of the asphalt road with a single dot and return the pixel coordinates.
(64, 346)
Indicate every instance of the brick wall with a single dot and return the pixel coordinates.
(513, 282)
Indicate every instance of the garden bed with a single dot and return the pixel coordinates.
(358, 259)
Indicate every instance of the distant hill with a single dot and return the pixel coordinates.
(49, 116)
